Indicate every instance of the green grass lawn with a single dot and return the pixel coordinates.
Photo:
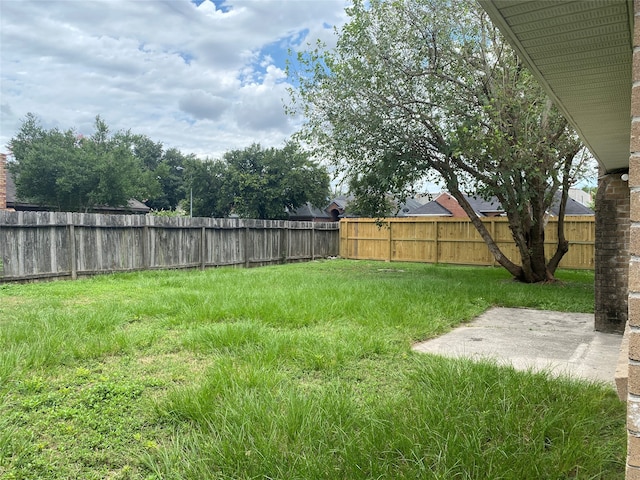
(288, 372)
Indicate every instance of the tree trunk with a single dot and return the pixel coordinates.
(511, 267)
(533, 268)
(528, 230)
(563, 244)
(536, 253)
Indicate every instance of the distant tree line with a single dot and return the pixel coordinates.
(66, 171)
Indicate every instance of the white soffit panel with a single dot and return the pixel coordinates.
(581, 51)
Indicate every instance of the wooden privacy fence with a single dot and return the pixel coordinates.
(455, 240)
(51, 244)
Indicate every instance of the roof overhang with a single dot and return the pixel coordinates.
(581, 52)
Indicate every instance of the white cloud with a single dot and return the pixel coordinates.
(198, 78)
(261, 104)
(200, 104)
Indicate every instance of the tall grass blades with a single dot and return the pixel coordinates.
(300, 371)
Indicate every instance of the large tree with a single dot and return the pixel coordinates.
(70, 172)
(205, 189)
(419, 90)
(269, 182)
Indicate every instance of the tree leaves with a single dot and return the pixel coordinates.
(416, 86)
(269, 183)
(69, 172)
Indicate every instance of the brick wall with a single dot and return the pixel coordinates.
(611, 253)
(633, 384)
(3, 182)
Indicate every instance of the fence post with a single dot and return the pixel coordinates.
(246, 245)
(493, 235)
(390, 241)
(203, 250)
(1, 259)
(72, 250)
(146, 245)
(313, 241)
(53, 222)
(284, 246)
(437, 227)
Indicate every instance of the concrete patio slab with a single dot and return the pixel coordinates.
(561, 343)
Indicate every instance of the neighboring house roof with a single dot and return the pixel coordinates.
(337, 206)
(430, 209)
(451, 204)
(492, 206)
(309, 213)
(133, 205)
(485, 207)
(445, 205)
(409, 205)
(573, 207)
(341, 201)
(488, 207)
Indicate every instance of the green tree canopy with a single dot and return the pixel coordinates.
(421, 90)
(268, 183)
(204, 184)
(69, 172)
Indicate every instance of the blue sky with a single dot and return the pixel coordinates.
(204, 76)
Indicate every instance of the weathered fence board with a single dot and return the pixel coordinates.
(455, 240)
(51, 244)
